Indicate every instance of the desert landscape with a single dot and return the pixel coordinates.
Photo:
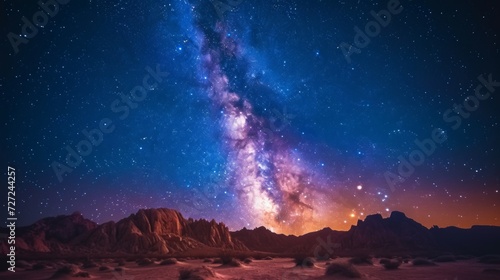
(162, 244)
(250, 140)
(276, 268)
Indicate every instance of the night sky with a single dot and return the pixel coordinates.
(262, 112)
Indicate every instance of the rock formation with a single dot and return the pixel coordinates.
(157, 231)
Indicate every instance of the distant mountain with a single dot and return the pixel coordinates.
(162, 231)
(262, 239)
(477, 240)
(395, 232)
(375, 234)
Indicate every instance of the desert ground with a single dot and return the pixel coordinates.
(277, 268)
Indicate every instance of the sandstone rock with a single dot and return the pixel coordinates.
(158, 231)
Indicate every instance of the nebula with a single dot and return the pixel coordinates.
(274, 186)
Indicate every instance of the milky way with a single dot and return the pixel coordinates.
(275, 187)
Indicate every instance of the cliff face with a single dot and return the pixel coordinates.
(159, 231)
(147, 231)
(213, 234)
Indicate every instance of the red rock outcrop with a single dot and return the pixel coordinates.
(158, 231)
(213, 234)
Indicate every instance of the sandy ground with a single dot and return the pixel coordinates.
(274, 269)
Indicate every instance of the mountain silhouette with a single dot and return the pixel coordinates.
(166, 231)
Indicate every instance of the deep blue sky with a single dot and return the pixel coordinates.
(348, 122)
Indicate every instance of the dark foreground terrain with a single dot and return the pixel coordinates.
(276, 268)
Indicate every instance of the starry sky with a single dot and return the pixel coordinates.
(295, 115)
